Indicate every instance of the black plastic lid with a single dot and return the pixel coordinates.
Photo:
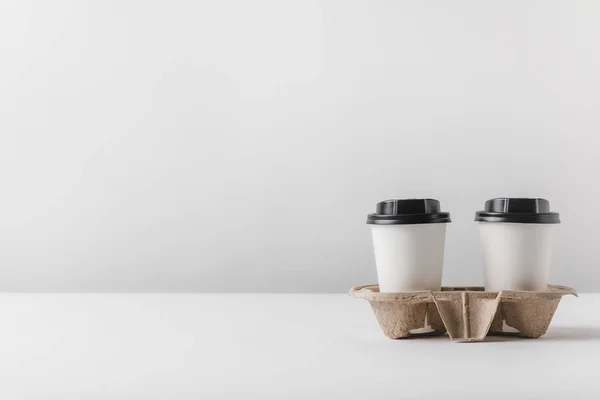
(524, 211)
(408, 211)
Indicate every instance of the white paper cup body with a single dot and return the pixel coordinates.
(516, 256)
(409, 256)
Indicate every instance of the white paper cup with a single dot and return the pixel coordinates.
(516, 240)
(409, 257)
(408, 239)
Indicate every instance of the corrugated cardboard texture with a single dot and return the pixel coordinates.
(468, 314)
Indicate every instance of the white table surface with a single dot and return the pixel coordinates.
(246, 346)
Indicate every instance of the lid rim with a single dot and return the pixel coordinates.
(408, 219)
(524, 218)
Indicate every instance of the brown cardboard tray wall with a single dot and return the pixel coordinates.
(468, 314)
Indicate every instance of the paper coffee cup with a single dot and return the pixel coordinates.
(409, 238)
(516, 238)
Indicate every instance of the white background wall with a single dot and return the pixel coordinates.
(239, 145)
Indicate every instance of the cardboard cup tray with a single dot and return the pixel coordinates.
(467, 314)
